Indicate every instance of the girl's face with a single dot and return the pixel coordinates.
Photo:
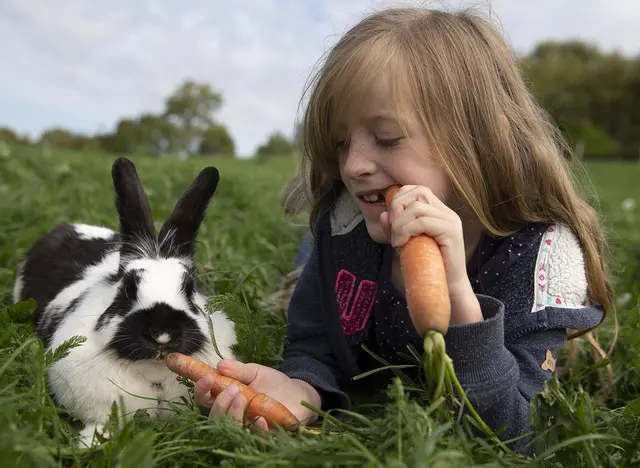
(374, 155)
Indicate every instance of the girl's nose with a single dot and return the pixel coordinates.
(359, 160)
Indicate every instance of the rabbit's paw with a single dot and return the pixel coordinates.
(86, 438)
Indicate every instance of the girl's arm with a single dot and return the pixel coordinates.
(307, 354)
(502, 361)
(500, 377)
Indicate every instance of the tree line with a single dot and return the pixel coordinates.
(186, 127)
(593, 96)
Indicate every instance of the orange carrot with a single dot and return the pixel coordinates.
(258, 404)
(425, 281)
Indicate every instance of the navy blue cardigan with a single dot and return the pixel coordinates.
(531, 287)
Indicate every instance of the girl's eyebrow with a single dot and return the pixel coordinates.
(382, 118)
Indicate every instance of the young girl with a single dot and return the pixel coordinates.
(433, 101)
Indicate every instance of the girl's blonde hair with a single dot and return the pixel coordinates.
(504, 157)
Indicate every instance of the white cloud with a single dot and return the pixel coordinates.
(83, 65)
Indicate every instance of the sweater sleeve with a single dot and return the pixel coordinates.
(499, 361)
(307, 351)
(499, 378)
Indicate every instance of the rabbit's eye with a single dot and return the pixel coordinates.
(130, 285)
(188, 286)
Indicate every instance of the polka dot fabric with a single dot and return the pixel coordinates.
(494, 257)
(492, 260)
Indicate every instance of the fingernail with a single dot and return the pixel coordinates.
(232, 390)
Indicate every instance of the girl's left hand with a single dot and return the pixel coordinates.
(416, 210)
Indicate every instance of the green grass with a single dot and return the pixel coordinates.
(249, 245)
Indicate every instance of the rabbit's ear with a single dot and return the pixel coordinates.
(178, 234)
(136, 222)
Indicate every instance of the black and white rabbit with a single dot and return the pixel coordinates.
(132, 294)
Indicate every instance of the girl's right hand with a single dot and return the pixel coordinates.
(263, 379)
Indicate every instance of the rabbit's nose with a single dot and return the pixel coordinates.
(162, 338)
(158, 338)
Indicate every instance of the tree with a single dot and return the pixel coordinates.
(217, 141)
(61, 138)
(11, 137)
(148, 134)
(157, 135)
(8, 136)
(191, 108)
(186, 126)
(558, 76)
(276, 145)
(594, 97)
(125, 139)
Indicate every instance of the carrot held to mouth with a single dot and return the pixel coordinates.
(258, 404)
(425, 280)
(429, 306)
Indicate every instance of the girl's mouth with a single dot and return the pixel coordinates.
(374, 198)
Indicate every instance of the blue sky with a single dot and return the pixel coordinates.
(83, 65)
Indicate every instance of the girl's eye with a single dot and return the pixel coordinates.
(340, 144)
(389, 142)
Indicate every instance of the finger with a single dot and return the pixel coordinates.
(399, 202)
(237, 407)
(223, 401)
(420, 210)
(428, 215)
(245, 373)
(433, 208)
(418, 193)
(385, 223)
(406, 188)
(432, 227)
(410, 190)
(406, 196)
(261, 424)
(202, 391)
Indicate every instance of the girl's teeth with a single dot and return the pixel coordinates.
(371, 198)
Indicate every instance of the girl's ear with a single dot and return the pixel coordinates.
(178, 234)
(136, 222)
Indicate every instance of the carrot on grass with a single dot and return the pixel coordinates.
(258, 404)
(427, 293)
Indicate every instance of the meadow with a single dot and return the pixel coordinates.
(245, 247)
